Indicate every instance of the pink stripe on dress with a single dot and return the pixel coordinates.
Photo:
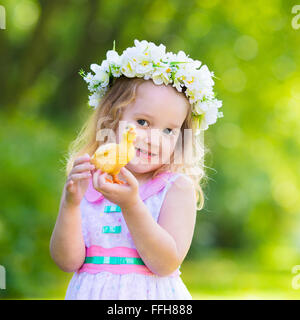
(111, 252)
(115, 268)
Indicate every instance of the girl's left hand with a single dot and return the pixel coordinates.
(124, 195)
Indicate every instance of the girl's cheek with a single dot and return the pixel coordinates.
(170, 142)
(140, 134)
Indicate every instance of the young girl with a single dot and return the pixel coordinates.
(128, 240)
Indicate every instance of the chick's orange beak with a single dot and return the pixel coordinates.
(132, 132)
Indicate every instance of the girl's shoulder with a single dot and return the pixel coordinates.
(180, 178)
(179, 199)
(180, 182)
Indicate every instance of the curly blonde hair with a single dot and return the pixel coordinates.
(107, 116)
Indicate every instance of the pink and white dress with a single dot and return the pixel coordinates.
(113, 269)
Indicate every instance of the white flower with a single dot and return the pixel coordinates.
(113, 57)
(114, 61)
(95, 67)
(89, 78)
(162, 75)
(149, 61)
(170, 57)
(209, 108)
(127, 69)
(141, 45)
(128, 63)
(205, 76)
(143, 66)
(194, 94)
(102, 77)
(105, 66)
(156, 53)
(115, 70)
(177, 85)
(91, 81)
(181, 56)
(94, 99)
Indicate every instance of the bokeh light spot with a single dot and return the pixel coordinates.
(246, 48)
(229, 135)
(26, 14)
(234, 80)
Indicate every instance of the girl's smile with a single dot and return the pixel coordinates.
(144, 154)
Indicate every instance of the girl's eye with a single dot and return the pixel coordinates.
(171, 131)
(141, 120)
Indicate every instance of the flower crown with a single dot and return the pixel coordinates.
(148, 61)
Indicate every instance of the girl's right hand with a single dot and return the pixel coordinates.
(78, 180)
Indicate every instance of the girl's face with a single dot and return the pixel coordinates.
(158, 113)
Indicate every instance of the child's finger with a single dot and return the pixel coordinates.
(102, 181)
(79, 176)
(129, 177)
(83, 167)
(95, 179)
(70, 185)
(94, 170)
(82, 159)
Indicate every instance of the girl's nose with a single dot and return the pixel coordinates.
(150, 137)
(154, 136)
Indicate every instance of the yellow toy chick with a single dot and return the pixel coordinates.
(111, 157)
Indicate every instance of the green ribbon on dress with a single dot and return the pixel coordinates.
(111, 229)
(112, 208)
(113, 260)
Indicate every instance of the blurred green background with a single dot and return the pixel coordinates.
(247, 240)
